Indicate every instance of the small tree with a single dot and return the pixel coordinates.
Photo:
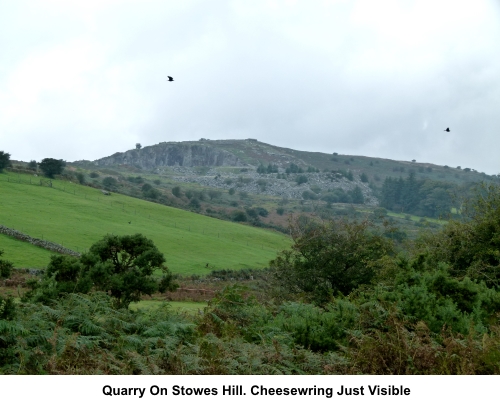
(138, 146)
(364, 178)
(109, 182)
(50, 167)
(124, 266)
(329, 259)
(33, 165)
(4, 160)
(214, 194)
(357, 196)
(6, 267)
(81, 177)
(176, 191)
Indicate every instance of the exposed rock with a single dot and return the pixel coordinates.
(172, 154)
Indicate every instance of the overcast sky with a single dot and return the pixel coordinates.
(85, 79)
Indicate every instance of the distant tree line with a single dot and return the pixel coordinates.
(420, 197)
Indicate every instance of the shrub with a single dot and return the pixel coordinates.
(329, 259)
(6, 267)
(239, 216)
(301, 179)
(109, 182)
(176, 191)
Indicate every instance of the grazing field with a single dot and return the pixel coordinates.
(177, 306)
(77, 216)
(23, 254)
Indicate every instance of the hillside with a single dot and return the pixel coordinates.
(76, 216)
(254, 182)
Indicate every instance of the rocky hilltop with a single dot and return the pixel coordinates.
(189, 154)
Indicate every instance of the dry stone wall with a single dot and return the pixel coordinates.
(45, 244)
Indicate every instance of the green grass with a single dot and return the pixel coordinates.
(178, 306)
(22, 254)
(416, 218)
(77, 216)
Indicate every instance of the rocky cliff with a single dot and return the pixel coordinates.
(173, 154)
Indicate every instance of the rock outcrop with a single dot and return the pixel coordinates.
(172, 154)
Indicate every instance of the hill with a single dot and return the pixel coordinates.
(241, 179)
(76, 216)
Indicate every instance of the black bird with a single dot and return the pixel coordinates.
(170, 78)
(447, 130)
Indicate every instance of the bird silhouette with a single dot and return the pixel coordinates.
(447, 130)
(170, 78)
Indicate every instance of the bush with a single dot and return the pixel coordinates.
(6, 267)
(4, 160)
(329, 259)
(239, 216)
(80, 177)
(50, 167)
(176, 191)
(109, 182)
(301, 179)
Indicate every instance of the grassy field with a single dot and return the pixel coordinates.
(77, 216)
(178, 306)
(23, 254)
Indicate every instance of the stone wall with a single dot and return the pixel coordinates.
(54, 247)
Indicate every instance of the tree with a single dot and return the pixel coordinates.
(357, 196)
(471, 247)
(239, 216)
(176, 191)
(329, 259)
(4, 160)
(6, 267)
(138, 146)
(124, 266)
(33, 165)
(62, 276)
(81, 177)
(50, 167)
(109, 182)
(301, 179)
(214, 194)
(364, 178)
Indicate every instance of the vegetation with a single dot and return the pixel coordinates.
(343, 300)
(420, 197)
(4, 160)
(50, 167)
(328, 259)
(121, 265)
(77, 216)
(5, 267)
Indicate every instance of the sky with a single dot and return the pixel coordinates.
(85, 79)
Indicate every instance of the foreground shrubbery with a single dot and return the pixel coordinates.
(326, 306)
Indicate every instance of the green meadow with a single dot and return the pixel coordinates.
(176, 306)
(76, 216)
(23, 254)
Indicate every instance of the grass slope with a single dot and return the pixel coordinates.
(23, 254)
(77, 216)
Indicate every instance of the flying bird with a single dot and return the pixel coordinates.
(170, 78)
(447, 130)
